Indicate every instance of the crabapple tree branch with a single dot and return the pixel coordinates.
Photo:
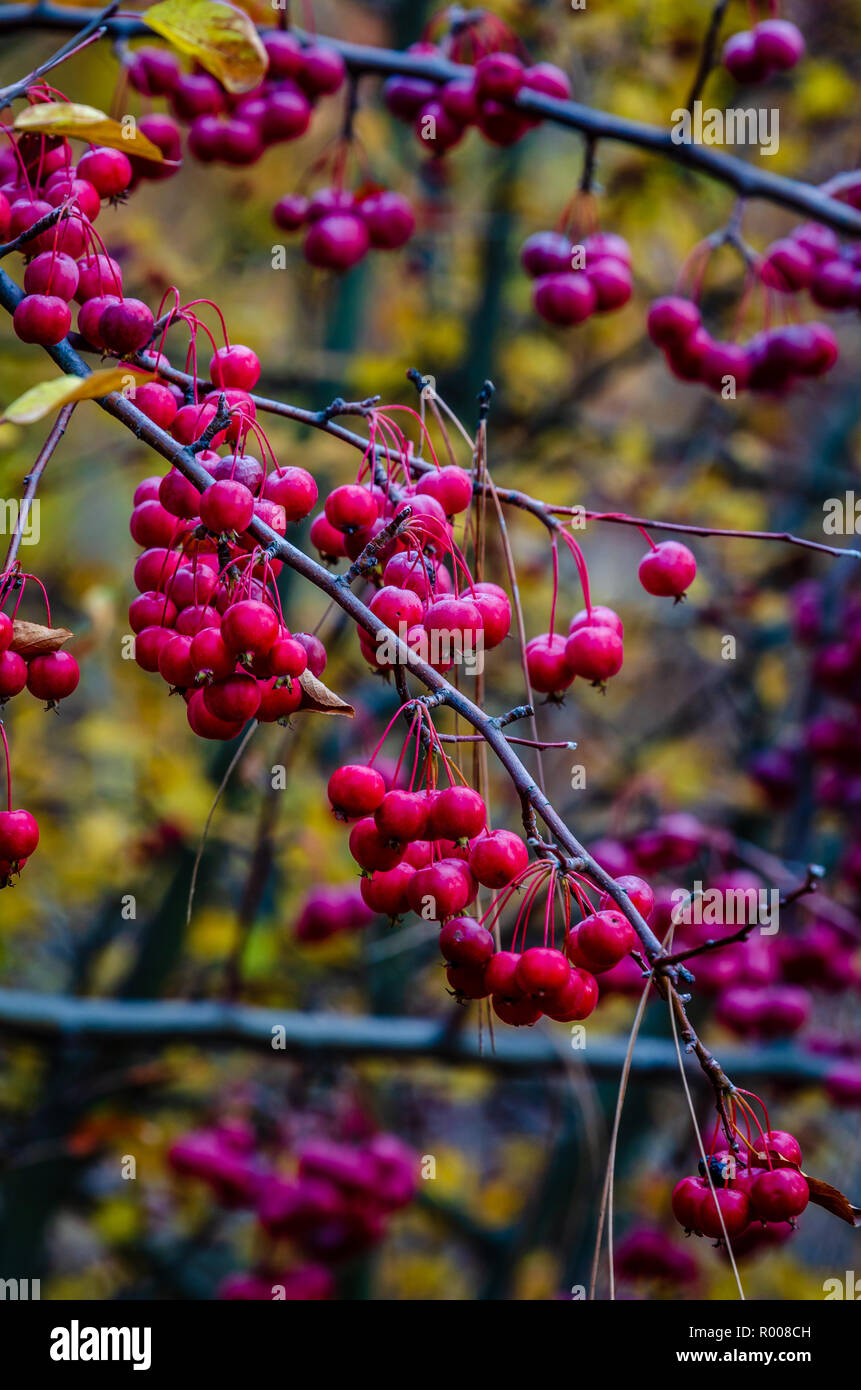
(747, 179)
(565, 846)
(50, 1018)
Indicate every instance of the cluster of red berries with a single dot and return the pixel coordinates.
(540, 980)
(812, 258)
(648, 1253)
(441, 113)
(773, 45)
(326, 911)
(762, 987)
(207, 617)
(67, 261)
(769, 361)
(428, 850)
(343, 226)
(332, 1208)
(575, 280)
(236, 128)
(766, 1187)
(415, 595)
(49, 676)
(594, 646)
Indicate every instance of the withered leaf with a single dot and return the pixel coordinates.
(221, 37)
(319, 699)
(833, 1200)
(31, 639)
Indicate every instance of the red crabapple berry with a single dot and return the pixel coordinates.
(519, 1013)
(463, 941)
(595, 653)
(50, 274)
(250, 626)
(294, 489)
(211, 658)
(226, 507)
(728, 1209)
(547, 664)
(126, 326)
(541, 971)
(667, 570)
(498, 858)
(597, 616)
(108, 170)
(42, 318)
(564, 299)
(466, 982)
(672, 320)
(350, 508)
(441, 890)
(370, 849)
(779, 1195)
(686, 1201)
(52, 676)
(457, 813)
(235, 366)
(742, 59)
(402, 815)
(778, 1141)
(19, 836)
(779, 44)
(356, 790)
(637, 890)
(600, 941)
(337, 242)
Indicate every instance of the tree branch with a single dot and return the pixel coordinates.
(47, 1017)
(747, 179)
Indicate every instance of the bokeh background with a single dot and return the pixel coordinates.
(123, 790)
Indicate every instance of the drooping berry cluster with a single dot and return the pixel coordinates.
(232, 128)
(208, 615)
(772, 360)
(764, 1185)
(442, 113)
(67, 261)
(773, 45)
(49, 675)
(343, 226)
(594, 647)
(573, 280)
(812, 258)
(334, 1205)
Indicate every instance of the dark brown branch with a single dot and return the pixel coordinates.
(748, 180)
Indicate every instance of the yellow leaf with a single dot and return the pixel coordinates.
(222, 38)
(48, 396)
(86, 123)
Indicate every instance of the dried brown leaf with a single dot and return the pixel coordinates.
(31, 639)
(317, 698)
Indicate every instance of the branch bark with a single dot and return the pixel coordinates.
(748, 180)
(134, 1023)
